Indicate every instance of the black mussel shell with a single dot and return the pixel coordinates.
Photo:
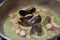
(47, 20)
(24, 21)
(39, 30)
(25, 18)
(37, 19)
(32, 10)
(36, 28)
(25, 24)
(23, 12)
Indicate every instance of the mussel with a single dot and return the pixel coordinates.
(36, 29)
(35, 20)
(23, 12)
(47, 20)
(27, 11)
(24, 21)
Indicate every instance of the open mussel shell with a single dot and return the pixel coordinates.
(35, 20)
(27, 11)
(23, 19)
(32, 10)
(36, 29)
(23, 12)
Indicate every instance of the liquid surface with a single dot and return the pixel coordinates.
(48, 29)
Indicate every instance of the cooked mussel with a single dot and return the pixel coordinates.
(36, 29)
(47, 20)
(26, 24)
(31, 10)
(35, 20)
(23, 19)
(27, 11)
(23, 12)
